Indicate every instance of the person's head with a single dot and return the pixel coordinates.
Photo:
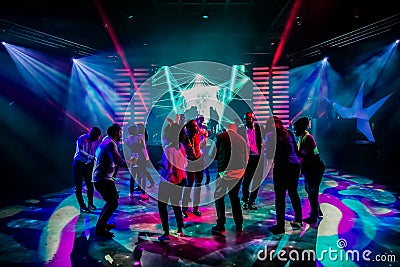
(274, 123)
(200, 119)
(192, 127)
(181, 119)
(237, 122)
(232, 127)
(278, 123)
(140, 128)
(270, 124)
(115, 132)
(94, 133)
(249, 119)
(300, 126)
(132, 130)
(171, 134)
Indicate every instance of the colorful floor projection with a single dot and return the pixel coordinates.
(360, 227)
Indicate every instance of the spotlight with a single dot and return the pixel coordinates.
(4, 43)
(205, 16)
(325, 58)
(397, 41)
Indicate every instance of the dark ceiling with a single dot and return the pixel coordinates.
(173, 31)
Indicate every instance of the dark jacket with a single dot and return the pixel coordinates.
(259, 139)
(228, 142)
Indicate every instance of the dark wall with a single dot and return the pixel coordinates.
(37, 140)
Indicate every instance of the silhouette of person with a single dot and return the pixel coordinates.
(143, 158)
(251, 132)
(286, 172)
(130, 142)
(82, 167)
(107, 157)
(312, 166)
(173, 179)
(214, 119)
(231, 153)
(195, 168)
(204, 135)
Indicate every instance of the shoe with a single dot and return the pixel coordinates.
(110, 226)
(297, 225)
(320, 214)
(253, 206)
(245, 205)
(180, 233)
(239, 229)
(92, 207)
(185, 214)
(164, 237)
(145, 197)
(197, 213)
(104, 233)
(85, 210)
(310, 220)
(276, 230)
(218, 231)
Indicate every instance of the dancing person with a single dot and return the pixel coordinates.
(131, 144)
(286, 172)
(204, 135)
(82, 167)
(173, 179)
(251, 132)
(107, 157)
(143, 158)
(312, 167)
(195, 168)
(231, 153)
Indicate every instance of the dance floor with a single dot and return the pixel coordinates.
(360, 227)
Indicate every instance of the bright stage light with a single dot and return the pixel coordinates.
(4, 43)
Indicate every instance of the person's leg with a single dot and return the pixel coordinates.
(78, 173)
(148, 176)
(163, 198)
(197, 192)
(279, 176)
(312, 188)
(208, 179)
(186, 191)
(246, 184)
(234, 188)
(132, 180)
(256, 181)
(293, 181)
(248, 177)
(219, 198)
(312, 177)
(175, 192)
(89, 185)
(142, 179)
(109, 193)
(163, 211)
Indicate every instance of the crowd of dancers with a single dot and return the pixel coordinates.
(240, 152)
